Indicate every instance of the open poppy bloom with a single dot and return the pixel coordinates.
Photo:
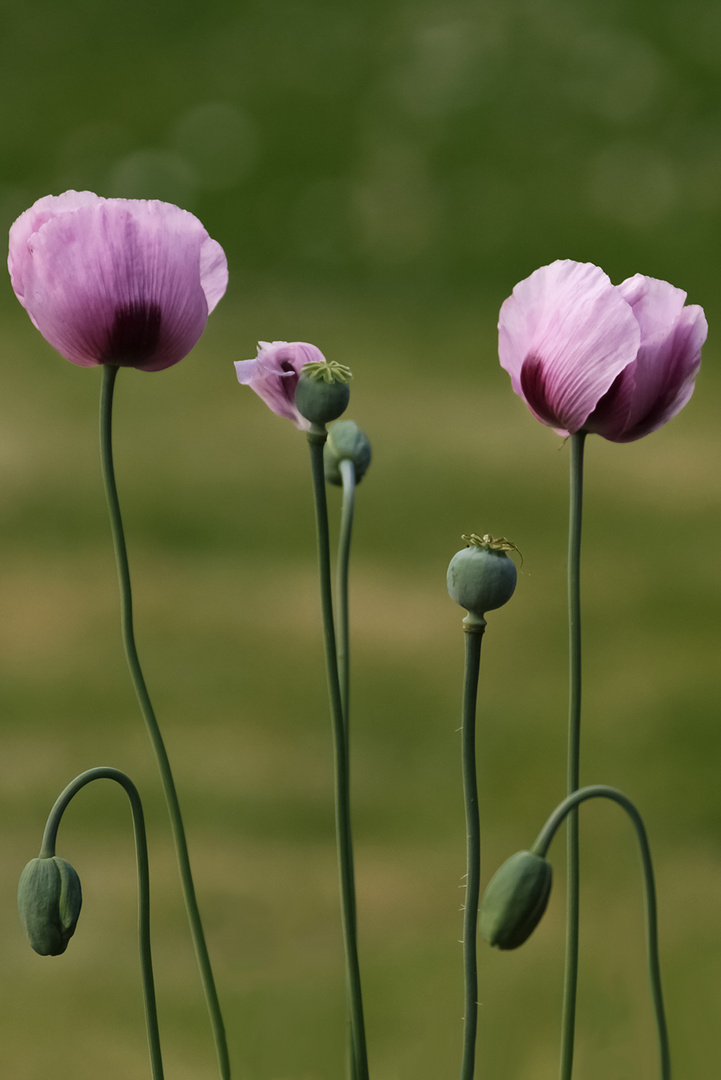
(274, 374)
(587, 355)
(116, 281)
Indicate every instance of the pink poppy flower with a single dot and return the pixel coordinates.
(116, 281)
(274, 374)
(616, 360)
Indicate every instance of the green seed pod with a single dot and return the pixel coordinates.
(49, 902)
(322, 392)
(482, 577)
(515, 900)
(346, 441)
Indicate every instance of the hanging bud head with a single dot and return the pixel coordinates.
(49, 902)
(322, 392)
(482, 577)
(346, 442)
(515, 900)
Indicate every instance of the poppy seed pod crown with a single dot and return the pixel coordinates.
(322, 393)
(482, 577)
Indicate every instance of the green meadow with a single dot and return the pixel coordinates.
(380, 177)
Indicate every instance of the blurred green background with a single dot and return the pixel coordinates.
(380, 175)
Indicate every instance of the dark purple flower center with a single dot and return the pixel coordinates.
(533, 385)
(134, 334)
(288, 385)
(610, 409)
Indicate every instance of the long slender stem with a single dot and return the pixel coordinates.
(570, 984)
(316, 439)
(540, 847)
(166, 775)
(474, 636)
(347, 471)
(47, 850)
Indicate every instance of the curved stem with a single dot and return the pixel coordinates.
(316, 439)
(347, 471)
(47, 850)
(540, 847)
(136, 674)
(474, 636)
(570, 983)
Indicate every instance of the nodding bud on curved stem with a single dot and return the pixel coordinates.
(346, 442)
(515, 900)
(49, 902)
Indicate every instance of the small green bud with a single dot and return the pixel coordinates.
(346, 441)
(49, 902)
(322, 393)
(482, 577)
(515, 900)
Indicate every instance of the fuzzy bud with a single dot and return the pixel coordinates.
(515, 900)
(49, 902)
(346, 442)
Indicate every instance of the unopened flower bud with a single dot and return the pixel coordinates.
(482, 577)
(322, 392)
(49, 902)
(515, 900)
(346, 442)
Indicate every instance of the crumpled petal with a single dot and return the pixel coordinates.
(564, 336)
(273, 374)
(120, 281)
(650, 391)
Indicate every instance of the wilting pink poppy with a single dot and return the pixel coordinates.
(274, 373)
(116, 281)
(617, 360)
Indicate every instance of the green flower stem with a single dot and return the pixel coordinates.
(171, 797)
(540, 847)
(316, 439)
(347, 472)
(474, 636)
(47, 850)
(570, 984)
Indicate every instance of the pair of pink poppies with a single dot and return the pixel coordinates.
(129, 282)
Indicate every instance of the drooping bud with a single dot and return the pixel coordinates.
(482, 577)
(322, 392)
(346, 441)
(49, 902)
(515, 900)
